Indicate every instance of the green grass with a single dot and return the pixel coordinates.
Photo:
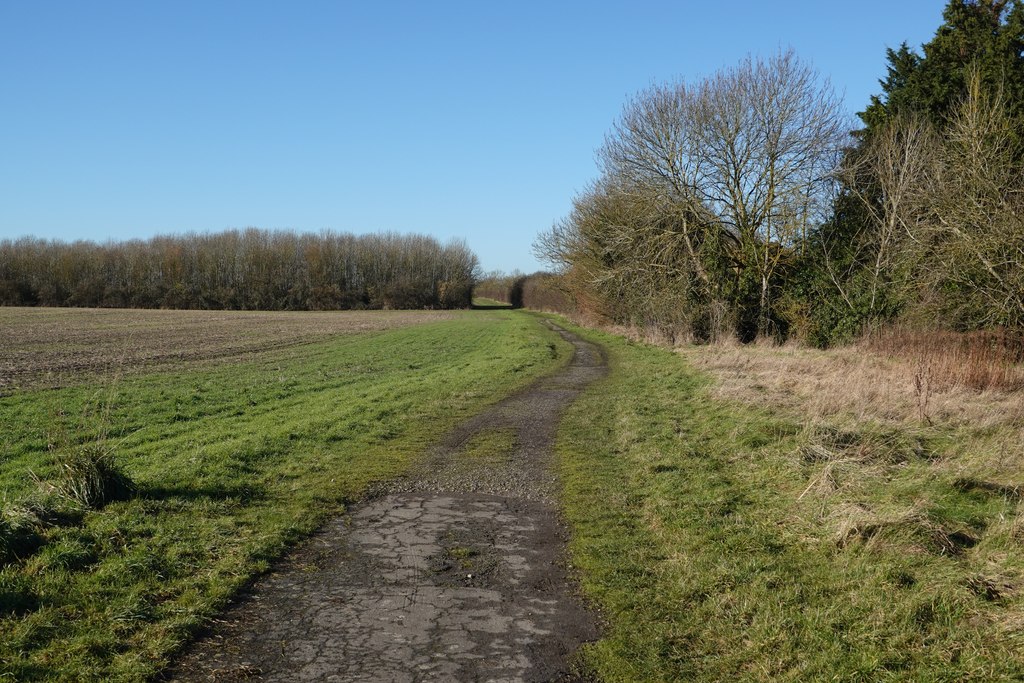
(692, 534)
(231, 464)
(490, 446)
(490, 303)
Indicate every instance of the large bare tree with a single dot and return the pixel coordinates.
(748, 153)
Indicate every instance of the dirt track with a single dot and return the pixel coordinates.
(455, 573)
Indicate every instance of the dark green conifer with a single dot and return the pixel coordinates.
(987, 35)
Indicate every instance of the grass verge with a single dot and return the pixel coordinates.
(726, 541)
(230, 464)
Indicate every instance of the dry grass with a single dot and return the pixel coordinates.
(908, 529)
(795, 518)
(852, 383)
(51, 347)
(899, 444)
(988, 360)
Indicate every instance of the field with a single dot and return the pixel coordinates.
(763, 513)
(238, 433)
(737, 512)
(58, 346)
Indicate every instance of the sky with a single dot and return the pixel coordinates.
(470, 120)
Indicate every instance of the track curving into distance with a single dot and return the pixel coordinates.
(455, 572)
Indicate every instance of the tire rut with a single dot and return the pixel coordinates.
(454, 572)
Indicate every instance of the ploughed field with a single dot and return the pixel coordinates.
(152, 462)
(55, 346)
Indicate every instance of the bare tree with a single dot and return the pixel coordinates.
(974, 240)
(890, 177)
(742, 161)
(250, 269)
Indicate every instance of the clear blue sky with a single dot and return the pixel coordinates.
(472, 119)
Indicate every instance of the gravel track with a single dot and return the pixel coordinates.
(455, 572)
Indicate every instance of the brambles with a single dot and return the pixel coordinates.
(983, 361)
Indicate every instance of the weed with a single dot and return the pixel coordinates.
(87, 472)
(988, 360)
(923, 389)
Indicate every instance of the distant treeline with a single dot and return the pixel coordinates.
(246, 270)
(539, 291)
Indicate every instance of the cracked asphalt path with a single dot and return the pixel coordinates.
(455, 572)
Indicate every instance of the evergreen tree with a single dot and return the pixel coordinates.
(986, 35)
(862, 270)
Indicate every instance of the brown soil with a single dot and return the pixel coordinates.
(456, 572)
(51, 347)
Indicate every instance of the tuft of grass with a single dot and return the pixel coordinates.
(912, 530)
(20, 533)
(17, 596)
(90, 476)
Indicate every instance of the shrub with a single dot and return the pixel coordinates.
(982, 360)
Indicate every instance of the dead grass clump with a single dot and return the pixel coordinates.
(824, 483)
(871, 444)
(907, 529)
(984, 360)
(991, 588)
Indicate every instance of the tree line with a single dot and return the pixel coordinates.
(241, 269)
(539, 291)
(745, 204)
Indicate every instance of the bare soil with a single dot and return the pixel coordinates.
(52, 347)
(456, 572)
